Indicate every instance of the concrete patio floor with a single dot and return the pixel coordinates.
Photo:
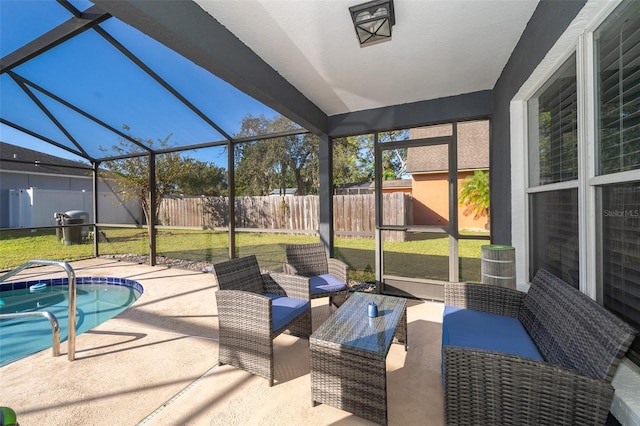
(156, 364)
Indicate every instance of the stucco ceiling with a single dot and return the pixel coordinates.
(438, 48)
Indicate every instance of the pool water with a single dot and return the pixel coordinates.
(97, 300)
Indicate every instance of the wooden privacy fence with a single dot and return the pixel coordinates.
(353, 215)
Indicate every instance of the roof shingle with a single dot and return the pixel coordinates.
(473, 148)
(28, 160)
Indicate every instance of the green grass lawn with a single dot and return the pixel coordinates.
(424, 258)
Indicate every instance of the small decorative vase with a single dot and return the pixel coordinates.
(372, 310)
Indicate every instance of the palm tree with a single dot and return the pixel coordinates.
(474, 194)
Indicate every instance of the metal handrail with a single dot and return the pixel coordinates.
(55, 326)
(72, 296)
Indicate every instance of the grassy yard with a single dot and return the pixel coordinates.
(425, 258)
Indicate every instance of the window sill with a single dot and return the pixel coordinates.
(626, 401)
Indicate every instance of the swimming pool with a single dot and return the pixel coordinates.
(98, 299)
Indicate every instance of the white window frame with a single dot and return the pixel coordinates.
(578, 38)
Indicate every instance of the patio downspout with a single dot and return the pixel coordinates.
(152, 209)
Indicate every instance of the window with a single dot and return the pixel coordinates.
(554, 234)
(579, 145)
(619, 217)
(617, 59)
(553, 159)
(617, 54)
(553, 138)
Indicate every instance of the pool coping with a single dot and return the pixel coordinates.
(80, 280)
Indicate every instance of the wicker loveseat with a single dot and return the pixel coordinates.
(547, 356)
(253, 309)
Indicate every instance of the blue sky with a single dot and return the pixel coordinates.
(92, 75)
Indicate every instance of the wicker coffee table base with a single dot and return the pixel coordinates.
(351, 379)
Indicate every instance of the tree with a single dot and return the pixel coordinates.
(353, 158)
(257, 167)
(174, 174)
(277, 163)
(474, 194)
(292, 161)
(304, 163)
(202, 178)
(394, 161)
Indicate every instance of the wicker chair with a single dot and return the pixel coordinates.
(254, 308)
(327, 276)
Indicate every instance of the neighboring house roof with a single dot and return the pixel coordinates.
(363, 185)
(395, 184)
(473, 148)
(19, 159)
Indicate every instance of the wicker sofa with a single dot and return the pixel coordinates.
(253, 309)
(547, 356)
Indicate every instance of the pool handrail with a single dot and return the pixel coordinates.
(71, 341)
(55, 326)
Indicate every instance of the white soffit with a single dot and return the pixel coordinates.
(438, 49)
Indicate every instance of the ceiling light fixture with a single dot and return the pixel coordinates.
(373, 21)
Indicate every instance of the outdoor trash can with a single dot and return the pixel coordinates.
(72, 235)
(84, 216)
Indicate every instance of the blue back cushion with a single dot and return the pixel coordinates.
(482, 330)
(325, 284)
(285, 309)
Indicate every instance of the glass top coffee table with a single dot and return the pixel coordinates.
(349, 351)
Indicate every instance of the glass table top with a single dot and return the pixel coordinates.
(351, 326)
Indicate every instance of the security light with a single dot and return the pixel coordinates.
(373, 21)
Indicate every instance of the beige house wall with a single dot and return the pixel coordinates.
(428, 166)
(431, 202)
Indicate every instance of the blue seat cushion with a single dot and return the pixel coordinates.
(325, 284)
(482, 330)
(285, 309)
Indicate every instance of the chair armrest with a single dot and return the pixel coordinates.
(338, 269)
(485, 387)
(294, 286)
(484, 297)
(244, 312)
(289, 269)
